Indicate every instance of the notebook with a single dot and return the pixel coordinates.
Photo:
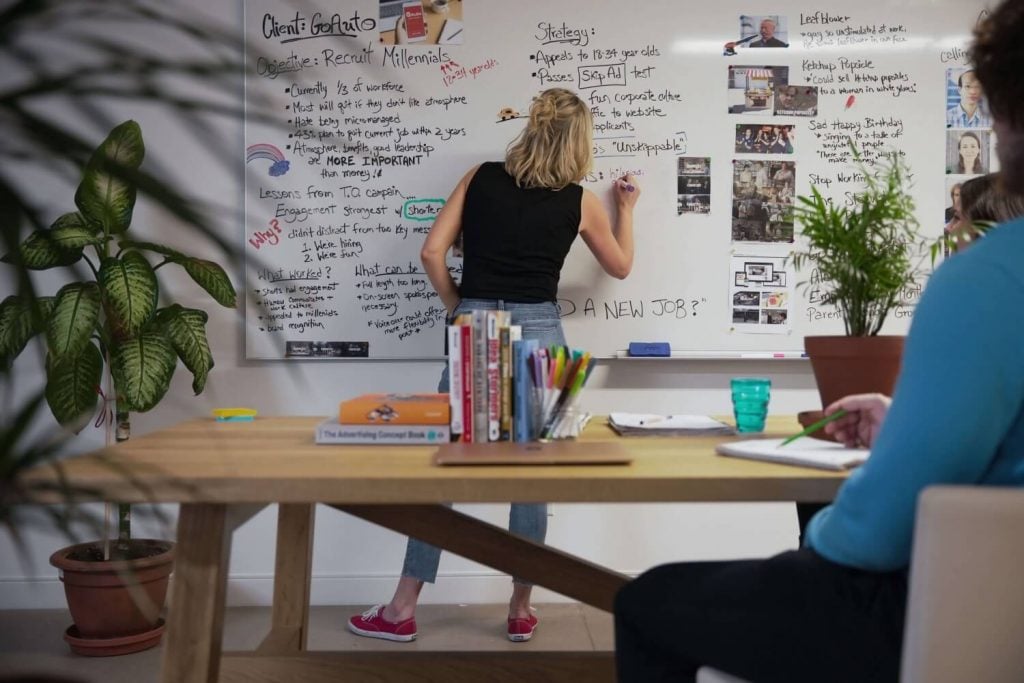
(645, 424)
(807, 452)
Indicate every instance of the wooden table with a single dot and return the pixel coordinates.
(223, 473)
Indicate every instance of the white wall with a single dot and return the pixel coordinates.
(628, 538)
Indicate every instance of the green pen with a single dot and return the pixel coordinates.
(816, 426)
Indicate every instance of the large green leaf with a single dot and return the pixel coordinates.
(105, 195)
(71, 386)
(19, 323)
(152, 246)
(131, 290)
(186, 328)
(42, 250)
(71, 231)
(142, 368)
(74, 315)
(213, 279)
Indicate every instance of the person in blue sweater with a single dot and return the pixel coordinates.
(834, 609)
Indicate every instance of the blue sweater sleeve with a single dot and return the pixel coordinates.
(960, 389)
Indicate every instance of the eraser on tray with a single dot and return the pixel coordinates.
(649, 349)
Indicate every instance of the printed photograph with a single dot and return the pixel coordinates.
(746, 316)
(746, 299)
(753, 138)
(693, 193)
(758, 221)
(752, 88)
(774, 299)
(967, 152)
(758, 272)
(420, 22)
(952, 199)
(770, 30)
(778, 278)
(966, 106)
(796, 100)
(769, 181)
(774, 317)
(739, 279)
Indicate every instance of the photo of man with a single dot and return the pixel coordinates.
(796, 100)
(965, 102)
(769, 29)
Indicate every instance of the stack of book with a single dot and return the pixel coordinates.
(389, 419)
(506, 388)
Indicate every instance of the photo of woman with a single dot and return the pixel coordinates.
(967, 152)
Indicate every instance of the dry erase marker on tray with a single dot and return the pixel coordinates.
(234, 414)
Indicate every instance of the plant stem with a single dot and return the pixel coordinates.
(124, 510)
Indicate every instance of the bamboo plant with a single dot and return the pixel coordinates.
(868, 252)
(111, 317)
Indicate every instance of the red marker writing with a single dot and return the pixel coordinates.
(850, 100)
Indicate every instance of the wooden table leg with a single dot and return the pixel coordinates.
(195, 621)
(293, 568)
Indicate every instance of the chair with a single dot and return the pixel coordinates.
(965, 612)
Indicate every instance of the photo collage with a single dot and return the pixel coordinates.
(694, 185)
(969, 143)
(759, 294)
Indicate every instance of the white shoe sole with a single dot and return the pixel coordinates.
(519, 637)
(381, 634)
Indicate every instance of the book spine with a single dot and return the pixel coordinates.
(480, 426)
(505, 371)
(493, 376)
(455, 376)
(413, 434)
(466, 348)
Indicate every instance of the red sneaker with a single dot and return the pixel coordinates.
(372, 624)
(521, 630)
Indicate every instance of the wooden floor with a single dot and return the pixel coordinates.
(31, 641)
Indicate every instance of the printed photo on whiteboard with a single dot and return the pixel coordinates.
(966, 106)
(771, 30)
(693, 193)
(952, 199)
(967, 152)
(752, 88)
(796, 100)
(762, 203)
(758, 304)
(759, 31)
(420, 22)
(754, 138)
(770, 181)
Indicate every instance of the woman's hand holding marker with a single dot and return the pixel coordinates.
(627, 190)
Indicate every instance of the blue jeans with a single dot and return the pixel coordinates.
(530, 520)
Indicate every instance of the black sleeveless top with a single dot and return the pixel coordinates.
(515, 240)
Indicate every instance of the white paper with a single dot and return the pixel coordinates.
(805, 451)
(653, 421)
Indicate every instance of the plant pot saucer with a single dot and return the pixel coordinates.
(808, 417)
(109, 647)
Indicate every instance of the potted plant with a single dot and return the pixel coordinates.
(865, 256)
(111, 317)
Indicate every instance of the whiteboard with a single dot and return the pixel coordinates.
(353, 144)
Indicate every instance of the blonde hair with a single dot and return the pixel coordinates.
(556, 147)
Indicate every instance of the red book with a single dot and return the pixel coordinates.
(466, 331)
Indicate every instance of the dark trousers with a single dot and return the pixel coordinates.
(790, 618)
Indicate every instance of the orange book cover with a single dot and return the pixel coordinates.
(396, 409)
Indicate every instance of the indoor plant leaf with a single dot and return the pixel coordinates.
(130, 290)
(75, 312)
(186, 329)
(18, 323)
(142, 368)
(40, 251)
(152, 246)
(213, 279)
(105, 195)
(71, 386)
(72, 231)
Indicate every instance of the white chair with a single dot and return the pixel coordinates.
(965, 613)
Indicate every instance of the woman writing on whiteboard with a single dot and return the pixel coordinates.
(518, 219)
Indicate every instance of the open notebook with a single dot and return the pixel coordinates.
(807, 452)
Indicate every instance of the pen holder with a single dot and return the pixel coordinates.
(567, 425)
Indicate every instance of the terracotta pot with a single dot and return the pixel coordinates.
(854, 365)
(101, 605)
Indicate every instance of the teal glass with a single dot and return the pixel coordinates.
(750, 396)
